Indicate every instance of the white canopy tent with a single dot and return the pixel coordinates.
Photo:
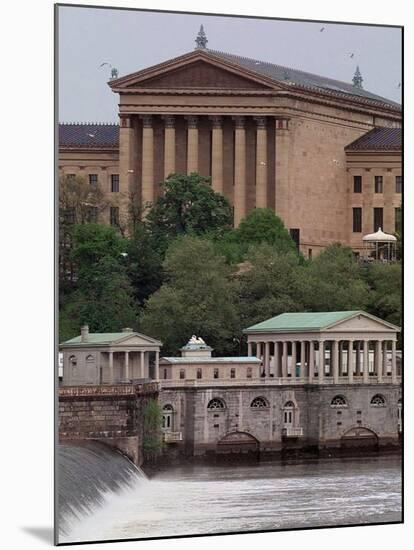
(380, 246)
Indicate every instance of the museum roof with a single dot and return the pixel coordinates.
(297, 77)
(106, 338)
(301, 321)
(186, 360)
(88, 134)
(378, 139)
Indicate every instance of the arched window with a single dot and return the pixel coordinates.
(288, 413)
(73, 361)
(167, 417)
(339, 401)
(90, 358)
(215, 404)
(378, 400)
(259, 403)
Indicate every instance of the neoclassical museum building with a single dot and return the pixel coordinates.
(325, 155)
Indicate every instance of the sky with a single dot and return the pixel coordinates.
(132, 40)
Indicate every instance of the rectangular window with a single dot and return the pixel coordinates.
(114, 215)
(114, 183)
(249, 372)
(199, 374)
(378, 184)
(92, 214)
(69, 215)
(398, 220)
(93, 179)
(232, 373)
(295, 234)
(165, 374)
(357, 220)
(182, 374)
(398, 184)
(216, 373)
(310, 253)
(378, 219)
(71, 176)
(357, 184)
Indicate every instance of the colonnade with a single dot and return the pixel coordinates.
(125, 365)
(331, 361)
(149, 155)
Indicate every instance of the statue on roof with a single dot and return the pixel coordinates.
(196, 340)
(357, 80)
(114, 73)
(201, 39)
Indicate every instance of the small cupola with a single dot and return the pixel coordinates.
(196, 347)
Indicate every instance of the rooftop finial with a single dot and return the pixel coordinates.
(357, 80)
(201, 39)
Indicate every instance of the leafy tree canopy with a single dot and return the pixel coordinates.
(385, 300)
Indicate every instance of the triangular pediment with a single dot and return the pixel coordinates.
(197, 70)
(362, 322)
(136, 339)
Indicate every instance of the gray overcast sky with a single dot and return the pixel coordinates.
(132, 40)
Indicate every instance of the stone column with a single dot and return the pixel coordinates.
(366, 362)
(284, 359)
(111, 367)
(157, 366)
(321, 366)
(147, 194)
(261, 162)
(127, 161)
(142, 364)
(249, 349)
(127, 365)
(311, 361)
(303, 359)
(192, 144)
(378, 360)
(393, 362)
(358, 358)
(217, 154)
(266, 359)
(293, 364)
(334, 362)
(239, 199)
(277, 359)
(350, 362)
(282, 139)
(259, 350)
(169, 145)
(384, 357)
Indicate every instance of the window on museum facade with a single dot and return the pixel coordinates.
(398, 220)
(92, 214)
(378, 400)
(232, 373)
(216, 404)
(288, 412)
(259, 403)
(71, 176)
(114, 183)
(357, 220)
(216, 373)
(114, 215)
(339, 401)
(199, 374)
(182, 374)
(69, 215)
(249, 372)
(357, 184)
(167, 417)
(295, 234)
(165, 374)
(398, 184)
(378, 184)
(93, 179)
(378, 219)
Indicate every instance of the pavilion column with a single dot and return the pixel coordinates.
(321, 366)
(258, 350)
(249, 349)
(378, 360)
(393, 362)
(311, 360)
(142, 365)
(266, 359)
(282, 143)
(147, 192)
(217, 154)
(276, 359)
(261, 162)
(284, 359)
(349, 362)
(126, 365)
(157, 366)
(302, 359)
(358, 358)
(293, 364)
(334, 361)
(169, 145)
(366, 362)
(111, 367)
(192, 144)
(239, 198)
(384, 357)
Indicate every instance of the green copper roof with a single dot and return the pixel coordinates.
(301, 321)
(99, 338)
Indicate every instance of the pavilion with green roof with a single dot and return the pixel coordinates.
(326, 347)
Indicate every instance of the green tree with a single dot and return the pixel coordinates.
(189, 205)
(385, 300)
(198, 297)
(333, 282)
(152, 438)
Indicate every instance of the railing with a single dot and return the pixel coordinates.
(290, 431)
(108, 390)
(172, 437)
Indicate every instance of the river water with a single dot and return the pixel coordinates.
(248, 497)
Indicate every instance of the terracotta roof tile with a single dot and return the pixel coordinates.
(378, 139)
(88, 135)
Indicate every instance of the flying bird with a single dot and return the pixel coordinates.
(91, 135)
(322, 29)
(351, 54)
(105, 63)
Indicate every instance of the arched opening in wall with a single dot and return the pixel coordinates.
(238, 443)
(167, 418)
(359, 437)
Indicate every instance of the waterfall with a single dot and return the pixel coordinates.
(86, 474)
